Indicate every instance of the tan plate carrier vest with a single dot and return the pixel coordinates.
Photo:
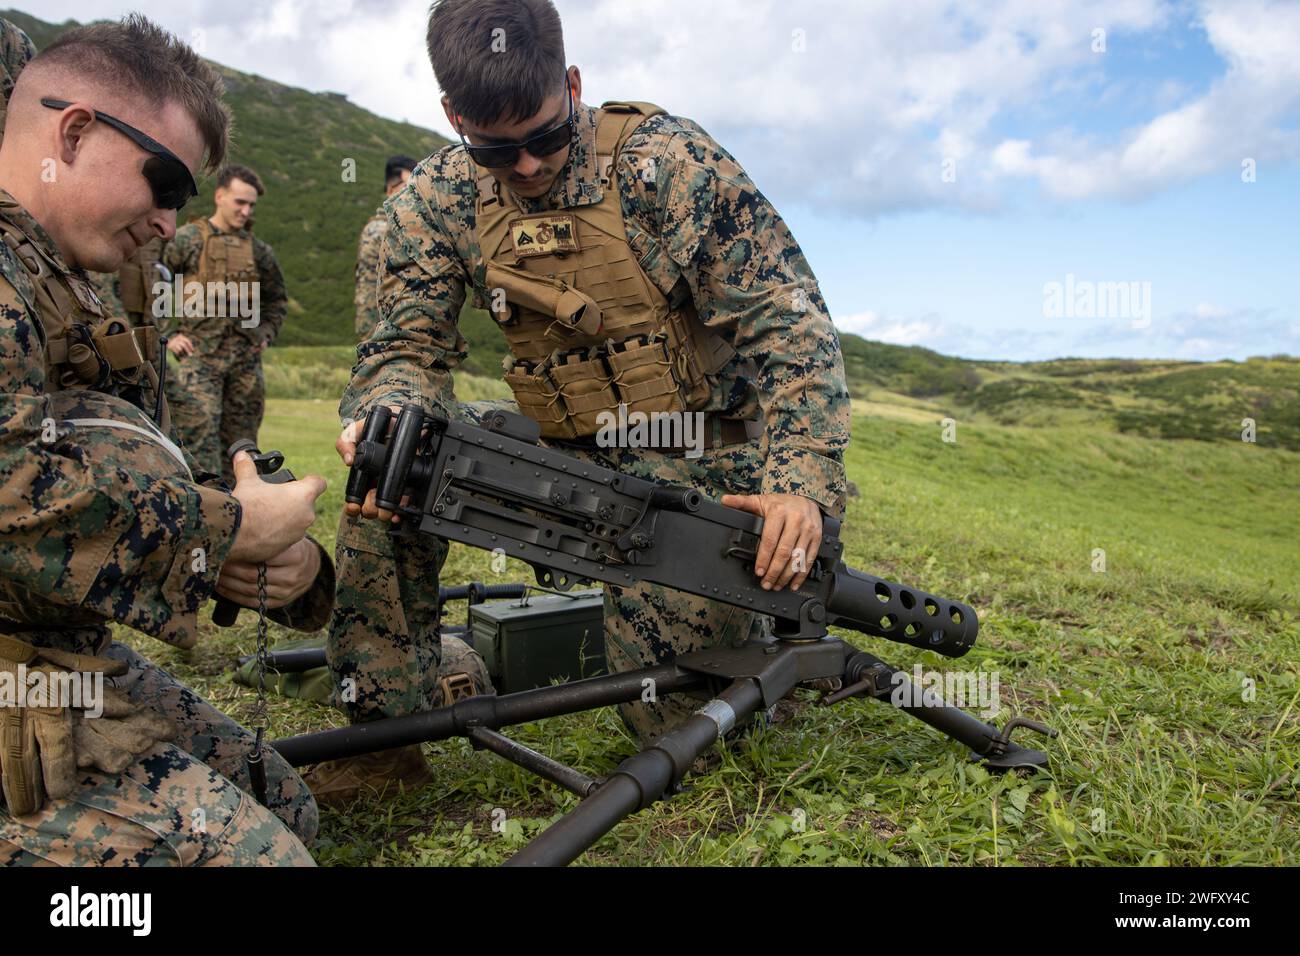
(136, 278)
(224, 258)
(587, 328)
(82, 350)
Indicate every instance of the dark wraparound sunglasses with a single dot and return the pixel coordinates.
(507, 154)
(169, 178)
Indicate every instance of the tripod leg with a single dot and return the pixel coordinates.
(869, 676)
(641, 779)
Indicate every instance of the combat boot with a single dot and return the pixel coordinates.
(337, 783)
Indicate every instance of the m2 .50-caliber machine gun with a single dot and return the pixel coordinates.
(495, 487)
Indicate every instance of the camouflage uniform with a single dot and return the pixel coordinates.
(90, 533)
(129, 294)
(225, 393)
(691, 213)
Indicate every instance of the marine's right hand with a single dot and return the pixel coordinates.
(180, 345)
(346, 446)
(275, 516)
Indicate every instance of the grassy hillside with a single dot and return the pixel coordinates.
(1203, 401)
(1172, 674)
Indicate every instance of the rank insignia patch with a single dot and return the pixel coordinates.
(544, 235)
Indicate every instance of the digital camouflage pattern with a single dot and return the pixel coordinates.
(181, 256)
(183, 803)
(691, 212)
(382, 647)
(367, 295)
(222, 387)
(98, 524)
(112, 542)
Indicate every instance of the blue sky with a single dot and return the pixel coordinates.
(1107, 157)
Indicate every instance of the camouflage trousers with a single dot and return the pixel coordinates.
(383, 644)
(184, 803)
(390, 648)
(216, 398)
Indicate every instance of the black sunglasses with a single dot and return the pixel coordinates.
(507, 154)
(169, 178)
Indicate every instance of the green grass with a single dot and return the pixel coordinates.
(1165, 757)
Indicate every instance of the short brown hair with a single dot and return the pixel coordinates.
(147, 61)
(496, 60)
(229, 173)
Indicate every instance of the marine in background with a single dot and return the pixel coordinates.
(232, 309)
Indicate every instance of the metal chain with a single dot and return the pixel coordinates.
(256, 765)
(260, 718)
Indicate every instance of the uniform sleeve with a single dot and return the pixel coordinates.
(139, 549)
(367, 295)
(175, 254)
(274, 299)
(416, 344)
(750, 282)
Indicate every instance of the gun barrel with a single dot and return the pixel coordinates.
(882, 608)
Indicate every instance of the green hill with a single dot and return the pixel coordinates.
(1205, 401)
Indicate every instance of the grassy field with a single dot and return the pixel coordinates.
(1172, 674)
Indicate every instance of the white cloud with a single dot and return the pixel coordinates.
(1244, 114)
(897, 330)
(850, 108)
(933, 331)
(1206, 332)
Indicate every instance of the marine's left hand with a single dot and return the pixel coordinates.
(792, 535)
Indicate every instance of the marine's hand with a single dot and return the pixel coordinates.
(180, 345)
(289, 575)
(346, 446)
(792, 534)
(275, 516)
